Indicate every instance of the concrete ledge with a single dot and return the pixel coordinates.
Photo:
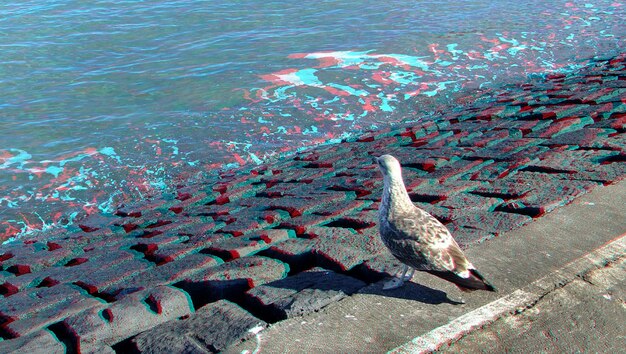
(526, 264)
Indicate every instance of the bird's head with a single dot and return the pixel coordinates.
(389, 165)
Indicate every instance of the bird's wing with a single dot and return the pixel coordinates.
(417, 233)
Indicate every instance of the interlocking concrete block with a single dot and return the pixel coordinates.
(524, 127)
(377, 268)
(422, 160)
(173, 251)
(468, 201)
(433, 192)
(552, 194)
(237, 192)
(468, 236)
(491, 222)
(571, 161)
(297, 206)
(101, 282)
(22, 282)
(166, 273)
(585, 137)
(300, 224)
(21, 258)
(297, 252)
(237, 247)
(456, 170)
(301, 294)
(41, 342)
(209, 330)
(128, 316)
(499, 170)
(561, 126)
(232, 278)
(504, 189)
(24, 303)
(489, 138)
(342, 249)
(457, 139)
(37, 320)
(504, 150)
(199, 198)
(303, 174)
(568, 110)
(432, 138)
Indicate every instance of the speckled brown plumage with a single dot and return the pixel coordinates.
(419, 240)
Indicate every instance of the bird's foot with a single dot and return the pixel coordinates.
(459, 300)
(394, 283)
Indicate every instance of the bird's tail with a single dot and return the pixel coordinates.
(474, 282)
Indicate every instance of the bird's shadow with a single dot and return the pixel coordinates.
(411, 291)
(319, 285)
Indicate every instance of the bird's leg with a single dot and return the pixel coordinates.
(396, 282)
(407, 277)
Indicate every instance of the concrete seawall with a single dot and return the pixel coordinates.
(221, 260)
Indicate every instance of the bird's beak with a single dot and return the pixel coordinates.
(375, 160)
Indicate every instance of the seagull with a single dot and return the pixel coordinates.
(417, 239)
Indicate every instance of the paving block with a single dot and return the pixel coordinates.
(40, 319)
(22, 282)
(377, 268)
(244, 223)
(238, 192)
(432, 139)
(297, 206)
(300, 224)
(173, 251)
(232, 278)
(24, 303)
(166, 273)
(433, 192)
(127, 317)
(88, 263)
(571, 161)
(566, 110)
(360, 186)
(504, 150)
(21, 258)
(585, 137)
(357, 221)
(561, 126)
(458, 169)
(468, 201)
(303, 174)
(200, 198)
(41, 342)
(237, 247)
(209, 330)
(100, 282)
(552, 194)
(297, 252)
(522, 126)
(342, 249)
(504, 189)
(499, 170)
(469, 236)
(489, 138)
(494, 222)
(422, 159)
(301, 294)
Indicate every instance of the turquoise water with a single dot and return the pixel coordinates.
(105, 101)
